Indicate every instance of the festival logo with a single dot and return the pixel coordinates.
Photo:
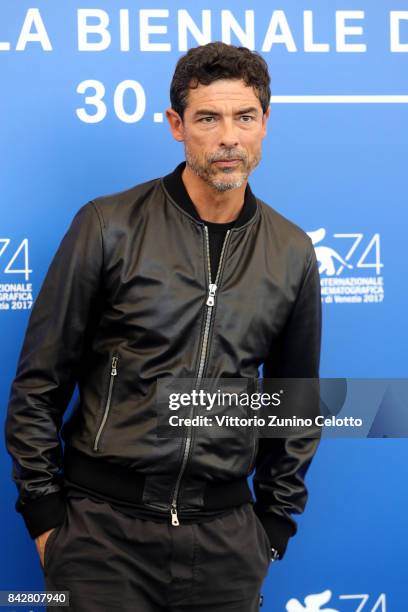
(350, 267)
(16, 292)
(316, 602)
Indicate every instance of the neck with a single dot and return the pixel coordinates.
(212, 205)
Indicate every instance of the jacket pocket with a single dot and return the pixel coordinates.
(112, 375)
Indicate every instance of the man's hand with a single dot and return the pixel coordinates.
(40, 543)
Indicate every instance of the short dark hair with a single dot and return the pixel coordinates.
(217, 60)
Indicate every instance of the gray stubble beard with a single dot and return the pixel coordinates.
(220, 185)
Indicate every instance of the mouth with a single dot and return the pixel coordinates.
(227, 162)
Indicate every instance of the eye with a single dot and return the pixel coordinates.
(247, 118)
(206, 119)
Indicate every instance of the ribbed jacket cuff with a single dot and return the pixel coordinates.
(278, 530)
(43, 513)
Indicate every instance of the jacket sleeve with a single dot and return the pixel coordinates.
(282, 462)
(48, 368)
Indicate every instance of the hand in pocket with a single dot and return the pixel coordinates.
(41, 541)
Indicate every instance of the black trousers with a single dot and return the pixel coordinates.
(112, 562)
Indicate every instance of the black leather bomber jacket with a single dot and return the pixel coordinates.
(125, 303)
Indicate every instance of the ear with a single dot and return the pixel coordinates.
(176, 124)
(265, 118)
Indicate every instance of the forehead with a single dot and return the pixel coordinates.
(223, 92)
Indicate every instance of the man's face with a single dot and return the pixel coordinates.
(222, 129)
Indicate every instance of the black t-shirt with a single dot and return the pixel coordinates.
(216, 235)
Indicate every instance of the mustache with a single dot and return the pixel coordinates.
(226, 156)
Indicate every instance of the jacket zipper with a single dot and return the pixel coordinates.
(210, 303)
(113, 373)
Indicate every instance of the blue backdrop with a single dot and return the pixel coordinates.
(82, 90)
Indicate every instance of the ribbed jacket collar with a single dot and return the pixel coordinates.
(176, 188)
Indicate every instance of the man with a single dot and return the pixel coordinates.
(189, 276)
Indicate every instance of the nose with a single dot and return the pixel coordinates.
(228, 134)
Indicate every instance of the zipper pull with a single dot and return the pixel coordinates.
(211, 294)
(114, 364)
(174, 517)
